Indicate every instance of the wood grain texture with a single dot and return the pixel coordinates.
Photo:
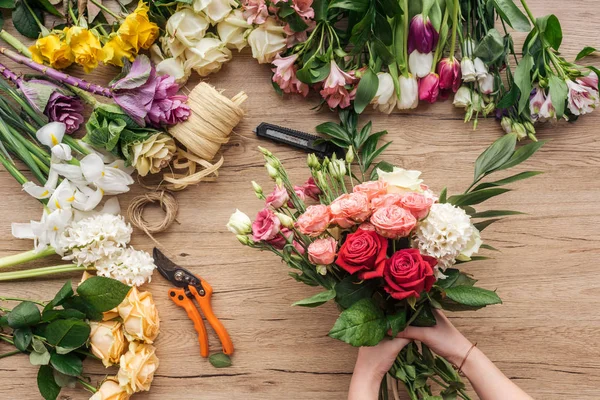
(544, 336)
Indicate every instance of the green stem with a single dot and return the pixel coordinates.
(86, 385)
(405, 38)
(12, 169)
(15, 43)
(7, 339)
(39, 303)
(528, 11)
(44, 31)
(36, 272)
(440, 46)
(84, 95)
(74, 144)
(106, 10)
(454, 29)
(24, 257)
(10, 353)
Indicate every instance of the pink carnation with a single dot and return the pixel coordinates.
(372, 189)
(390, 199)
(418, 204)
(322, 251)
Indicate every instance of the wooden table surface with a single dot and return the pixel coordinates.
(545, 336)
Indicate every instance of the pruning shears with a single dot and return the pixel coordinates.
(188, 287)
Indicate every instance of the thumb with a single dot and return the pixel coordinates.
(398, 344)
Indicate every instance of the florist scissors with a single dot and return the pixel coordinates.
(187, 287)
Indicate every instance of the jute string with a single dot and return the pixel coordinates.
(168, 203)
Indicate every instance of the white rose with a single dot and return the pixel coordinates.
(462, 98)
(385, 99)
(215, 10)
(207, 56)
(472, 246)
(233, 30)
(187, 28)
(174, 67)
(239, 223)
(401, 180)
(267, 41)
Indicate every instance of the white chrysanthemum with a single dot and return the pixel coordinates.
(130, 266)
(444, 234)
(93, 239)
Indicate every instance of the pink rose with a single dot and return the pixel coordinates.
(418, 204)
(322, 251)
(350, 209)
(277, 198)
(281, 240)
(311, 189)
(265, 226)
(314, 221)
(372, 189)
(391, 199)
(393, 222)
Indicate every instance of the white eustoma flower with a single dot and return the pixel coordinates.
(481, 70)
(233, 30)
(486, 84)
(409, 92)
(207, 56)
(130, 266)
(267, 41)
(215, 10)
(385, 99)
(462, 98)
(111, 179)
(239, 223)
(467, 69)
(420, 64)
(186, 28)
(401, 180)
(444, 234)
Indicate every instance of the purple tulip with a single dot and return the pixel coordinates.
(65, 109)
(422, 36)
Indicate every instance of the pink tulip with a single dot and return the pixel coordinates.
(334, 89)
(422, 36)
(429, 88)
(449, 72)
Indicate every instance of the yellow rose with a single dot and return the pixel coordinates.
(85, 46)
(137, 30)
(140, 317)
(110, 390)
(114, 51)
(53, 51)
(107, 341)
(137, 367)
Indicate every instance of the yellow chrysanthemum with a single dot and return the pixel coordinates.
(53, 51)
(85, 46)
(137, 30)
(114, 51)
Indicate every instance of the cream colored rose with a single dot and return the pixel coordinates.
(107, 341)
(472, 246)
(215, 10)
(110, 390)
(207, 56)
(267, 41)
(187, 28)
(401, 180)
(233, 30)
(137, 367)
(140, 317)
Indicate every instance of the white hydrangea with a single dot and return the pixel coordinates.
(130, 266)
(92, 239)
(445, 234)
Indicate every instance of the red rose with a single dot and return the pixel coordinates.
(408, 273)
(363, 252)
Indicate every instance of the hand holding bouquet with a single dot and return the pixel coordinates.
(386, 249)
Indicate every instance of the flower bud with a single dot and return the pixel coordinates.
(350, 155)
(489, 108)
(243, 239)
(529, 127)
(409, 92)
(265, 151)
(322, 270)
(429, 88)
(257, 188)
(285, 220)
(532, 137)
(462, 98)
(481, 70)
(273, 173)
(420, 64)
(506, 124)
(341, 168)
(469, 46)
(239, 223)
(519, 129)
(449, 72)
(422, 35)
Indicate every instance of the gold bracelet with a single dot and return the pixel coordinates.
(465, 359)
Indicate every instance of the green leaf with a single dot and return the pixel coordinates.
(316, 300)
(63, 380)
(484, 224)
(472, 296)
(391, 7)
(360, 6)
(523, 80)
(443, 195)
(48, 7)
(368, 160)
(454, 277)
(424, 317)
(103, 294)
(63, 294)
(491, 48)
(558, 93)
(397, 322)
(488, 247)
(23, 315)
(495, 156)
(51, 315)
(383, 30)
(477, 197)
(78, 304)
(220, 360)
(585, 52)
(333, 130)
(38, 345)
(495, 213)
(320, 7)
(349, 291)
(510, 179)
(522, 154)
(46, 383)
(10, 4)
(367, 88)
(24, 21)
(550, 29)
(68, 364)
(512, 15)
(36, 358)
(369, 149)
(22, 338)
(67, 333)
(363, 324)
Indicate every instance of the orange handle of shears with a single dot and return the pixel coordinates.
(179, 297)
(206, 307)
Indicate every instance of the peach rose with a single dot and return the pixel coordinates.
(350, 209)
(372, 189)
(107, 341)
(314, 221)
(137, 367)
(140, 317)
(110, 390)
(278, 197)
(418, 204)
(322, 251)
(391, 199)
(393, 222)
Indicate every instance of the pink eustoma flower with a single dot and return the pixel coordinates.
(450, 74)
(429, 88)
(334, 89)
(422, 36)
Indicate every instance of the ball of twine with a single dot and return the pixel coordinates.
(168, 203)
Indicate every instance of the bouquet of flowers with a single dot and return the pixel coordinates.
(384, 247)
(103, 320)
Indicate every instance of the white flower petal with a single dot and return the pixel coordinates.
(22, 230)
(92, 167)
(68, 171)
(87, 203)
(51, 134)
(61, 152)
(39, 192)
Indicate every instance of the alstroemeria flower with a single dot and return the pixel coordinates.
(304, 8)
(255, 11)
(547, 111)
(582, 99)
(536, 101)
(334, 88)
(420, 64)
(449, 72)
(429, 88)
(590, 80)
(284, 75)
(422, 36)
(409, 92)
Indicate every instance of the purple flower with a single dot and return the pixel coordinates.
(65, 109)
(422, 36)
(167, 107)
